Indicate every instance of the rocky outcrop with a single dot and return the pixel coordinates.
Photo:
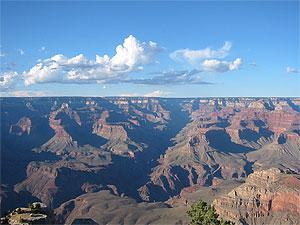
(117, 210)
(192, 161)
(224, 143)
(146, 109)
(22, 126)
(118, 141)
(267, 197)
(40, 182)
(61, 140)
(46, 181)
(109, 131)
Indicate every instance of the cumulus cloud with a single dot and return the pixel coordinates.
(291, 70)
(8, 80)
(131, 56)
(208, 59)
(171, 78)
(215, 65)
(193, 56)
(21, 51)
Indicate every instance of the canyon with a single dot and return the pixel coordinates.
(143, 160)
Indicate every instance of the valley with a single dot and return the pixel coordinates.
(126, 156)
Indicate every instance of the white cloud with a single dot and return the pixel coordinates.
(21, 51)
(131, 56)
(130, 95)
(8, 80)
(42, 49)
(208, 59)
(193, 56)
(291, 70)
(157, 93)
(215, 65)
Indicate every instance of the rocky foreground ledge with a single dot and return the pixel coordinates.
(267, 197)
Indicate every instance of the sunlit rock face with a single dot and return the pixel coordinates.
(227, 140)
(148, 149)
(267, 197)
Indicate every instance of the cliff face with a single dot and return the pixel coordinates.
(150, 149)
(21, 127)
(106, 208)
(226, 142)
(269, 196)
(47, 181)
(40, 182)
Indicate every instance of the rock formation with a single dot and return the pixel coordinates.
(267, 197)
(61, 149)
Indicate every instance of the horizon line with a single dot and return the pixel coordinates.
(141, 96)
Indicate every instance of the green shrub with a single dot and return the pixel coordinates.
(203, 214)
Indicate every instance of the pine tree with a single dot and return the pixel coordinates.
(203, 214)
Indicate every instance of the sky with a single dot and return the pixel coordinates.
(158, 48)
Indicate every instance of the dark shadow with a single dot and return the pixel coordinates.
(127, 174)
(223, 124)
(259, 123)
(16, 150)
(253, 136)
(281, 139)
(293, 106)
(84, 222)
(296, 131)
(264, 132)
(81, 133)
(220, 140)
(248, 168)
(248, 135)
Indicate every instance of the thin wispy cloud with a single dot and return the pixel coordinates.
(156, 93)
(8, 80)
(2, 54)
(9, 66)
(182, 77)
(291, 70)
(254, 64)
(21, 51)
(24, 93)
(42, 49)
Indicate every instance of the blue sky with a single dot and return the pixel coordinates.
(174, 49)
